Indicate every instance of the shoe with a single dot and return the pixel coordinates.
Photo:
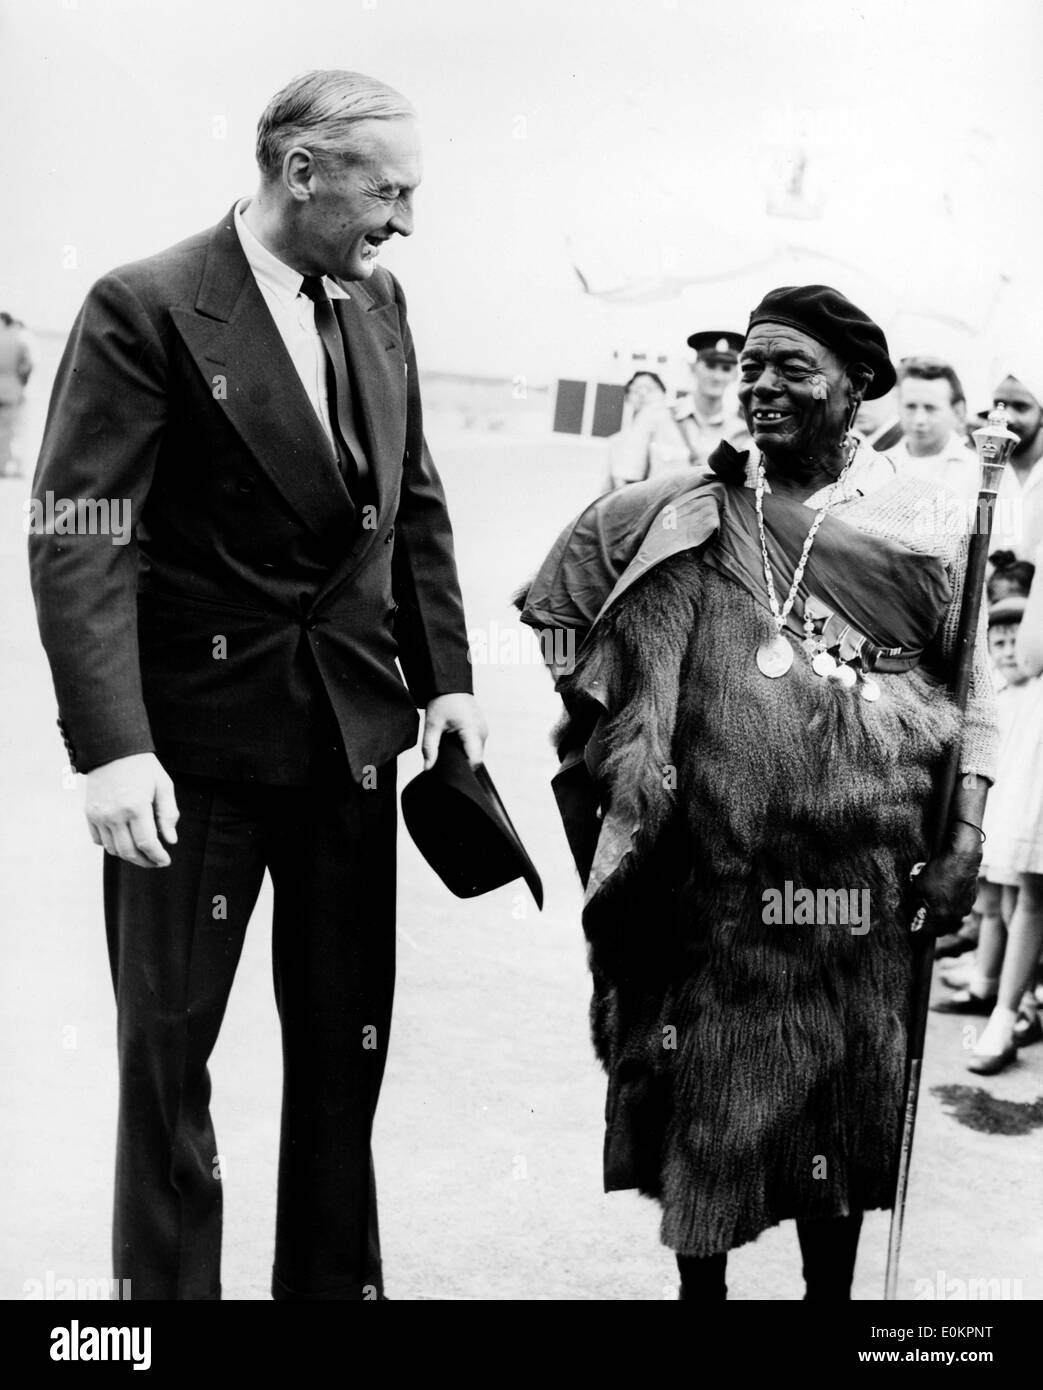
(1027, 1030)
(989, 1063)
(957, 976)
(965, 1003)
(952, 945)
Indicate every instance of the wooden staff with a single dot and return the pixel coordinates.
(995, 443)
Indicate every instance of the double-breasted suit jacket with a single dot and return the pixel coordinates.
(252, 626)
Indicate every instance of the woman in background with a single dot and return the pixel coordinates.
(650, 443)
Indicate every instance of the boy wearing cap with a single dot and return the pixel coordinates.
(704, 418)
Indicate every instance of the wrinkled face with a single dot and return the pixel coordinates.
(1024, 416)
(714, 377)
(354, 208)
(1003, 642)
(794, 392)
(642, 391)
(927, 414)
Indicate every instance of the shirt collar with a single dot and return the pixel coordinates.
(954, 450)
(689, 410)
(272, 273)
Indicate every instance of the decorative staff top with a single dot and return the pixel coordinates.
(995, 443)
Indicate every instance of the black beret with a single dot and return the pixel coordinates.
(831, 319)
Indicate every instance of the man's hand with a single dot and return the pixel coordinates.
(947, 887)
(454, 714)
(130, 804)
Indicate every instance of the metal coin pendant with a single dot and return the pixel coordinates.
(870, 690)
(774, 658)
(823, 664)
(846, 676)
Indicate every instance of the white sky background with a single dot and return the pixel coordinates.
(646, 133)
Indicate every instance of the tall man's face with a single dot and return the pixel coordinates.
(928, 414)
(1024, 415)
(355, 207)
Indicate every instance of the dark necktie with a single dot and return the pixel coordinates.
(350, 452)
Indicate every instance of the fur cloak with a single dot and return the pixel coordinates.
(755, 1068)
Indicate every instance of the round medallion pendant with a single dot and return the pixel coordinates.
(845, 675)
(823, 664)
(870, 690)
(774, 658)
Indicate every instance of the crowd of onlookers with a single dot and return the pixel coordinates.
(925, 429)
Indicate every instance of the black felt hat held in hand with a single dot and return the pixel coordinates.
(459, 824)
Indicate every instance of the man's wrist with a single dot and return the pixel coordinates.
(966, 838)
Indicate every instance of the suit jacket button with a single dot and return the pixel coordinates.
(311, 624)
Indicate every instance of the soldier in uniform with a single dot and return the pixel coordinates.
(703, 417)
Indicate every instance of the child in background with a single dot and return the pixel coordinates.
(976, 981)
(1030, 636)
(1010, 940)
(1030, 657)
(1008, 576)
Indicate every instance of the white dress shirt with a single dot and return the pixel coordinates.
(955, 467)
(1019, 512)
(294, 315)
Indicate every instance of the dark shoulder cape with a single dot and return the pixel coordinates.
(885, 600)
(879, 600)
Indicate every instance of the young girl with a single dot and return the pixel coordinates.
(1007, 576)
(1013, 855)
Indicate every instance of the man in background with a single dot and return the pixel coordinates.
(1019, 502)
(933, 413)
(706, 417)
(878, 424)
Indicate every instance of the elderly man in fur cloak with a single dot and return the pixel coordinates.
(753, 728)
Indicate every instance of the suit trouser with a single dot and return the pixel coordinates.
(175, 937)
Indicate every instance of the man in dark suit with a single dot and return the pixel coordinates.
(226, 664)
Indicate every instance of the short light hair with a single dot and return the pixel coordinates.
(320, 110)
(932, 369)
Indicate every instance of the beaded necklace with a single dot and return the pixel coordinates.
(775, 657)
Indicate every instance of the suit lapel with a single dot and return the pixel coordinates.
(238, 348)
